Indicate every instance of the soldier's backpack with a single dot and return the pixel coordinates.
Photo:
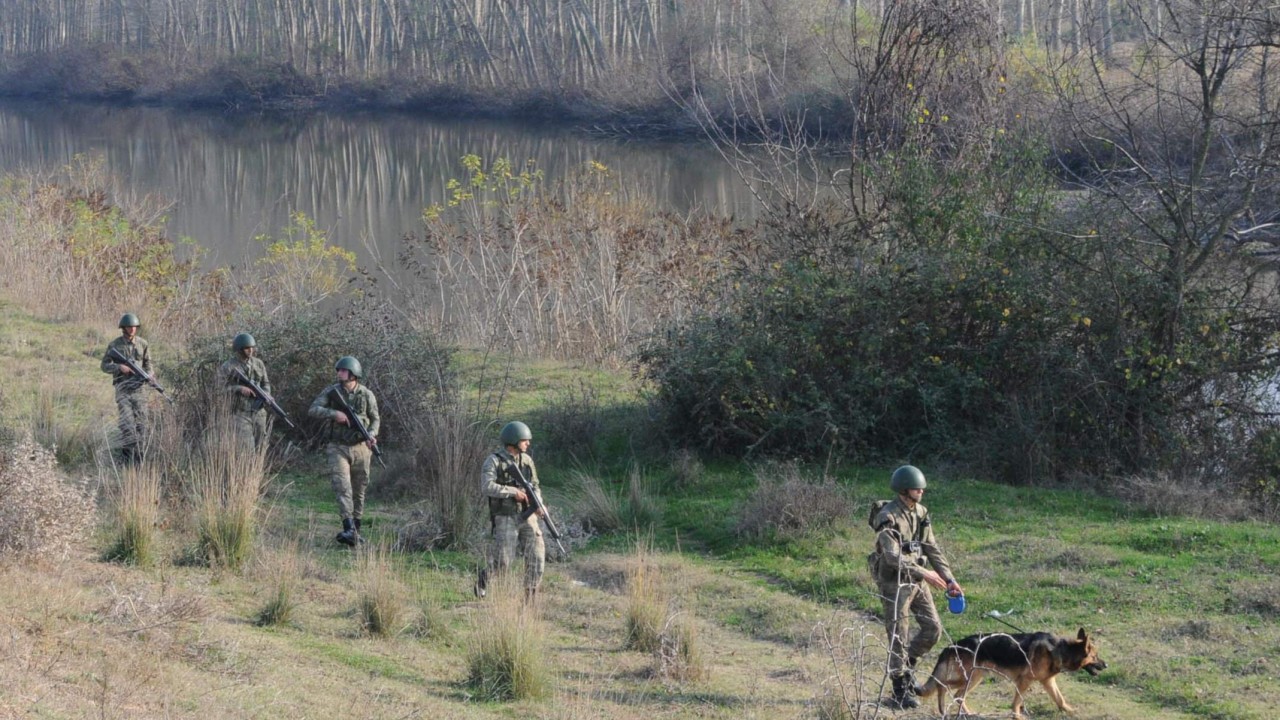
(873, 559)
(876, 507)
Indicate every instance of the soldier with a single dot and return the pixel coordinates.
(904, 542)
(349, 453)
(130, 402)
(248, 413)
(506, 502)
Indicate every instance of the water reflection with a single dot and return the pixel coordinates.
(361, 178)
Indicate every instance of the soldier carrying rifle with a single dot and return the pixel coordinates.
(128, 361)
(239, 375)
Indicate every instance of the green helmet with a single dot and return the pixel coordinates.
(242, 341)
(907, 477)
(515, 431)
(351, 365)
(129, 320)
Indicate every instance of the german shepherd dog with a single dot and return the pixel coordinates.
(1024, 658)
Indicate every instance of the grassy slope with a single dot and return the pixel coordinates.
(1186, 609)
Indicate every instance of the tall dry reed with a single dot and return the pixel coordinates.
(225, 480)
(133, 495)
(382, 599)
(282, 571)
(647, 600)
(507, 659)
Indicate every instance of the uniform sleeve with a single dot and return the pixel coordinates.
(262, 372)
(533, 476)
(109, 365)
(375, 420)
(489, 486)
(933, 552)
(894, 529)
(229, 384)
(320, 409)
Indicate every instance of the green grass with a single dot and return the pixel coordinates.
(1187, 610)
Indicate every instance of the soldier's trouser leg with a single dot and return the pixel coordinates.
(340, 477)
(242, 425)
(132, 418)
(930, 630)
(502, 543)
(361, 459)
(534, 550)
(900, 602)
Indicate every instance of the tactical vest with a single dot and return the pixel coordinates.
(506, 475)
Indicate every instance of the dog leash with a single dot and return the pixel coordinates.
(999, 617)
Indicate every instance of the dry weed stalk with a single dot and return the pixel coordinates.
(859, 673)
(680, 654)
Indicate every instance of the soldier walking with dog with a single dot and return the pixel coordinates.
(510, 533)
(904, 544)
(352, 410)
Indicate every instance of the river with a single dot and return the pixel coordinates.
(364, 179)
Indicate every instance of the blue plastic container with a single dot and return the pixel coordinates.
(956, 604)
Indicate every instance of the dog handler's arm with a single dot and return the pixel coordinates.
(941, 568)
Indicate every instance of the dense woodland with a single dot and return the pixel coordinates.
(620, 56)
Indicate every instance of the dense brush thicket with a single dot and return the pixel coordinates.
(995, 328)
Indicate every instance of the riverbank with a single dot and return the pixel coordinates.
(246, 86)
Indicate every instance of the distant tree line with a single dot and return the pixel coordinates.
(620, 52)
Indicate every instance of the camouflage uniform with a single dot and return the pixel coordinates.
(130, 401)
(904, 542)
(509, 534)
(248, 414)
(349, 456)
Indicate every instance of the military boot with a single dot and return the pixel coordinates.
(358, 536)
(482, 583)
(904, 692)
(348, 534)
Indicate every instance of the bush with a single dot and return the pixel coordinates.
(408, 370)
(787, 504)
(44, 514)
(602, 509)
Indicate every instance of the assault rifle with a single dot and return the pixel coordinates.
(535, 505)
(129, 362)
(352, 418)
(264, 397)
